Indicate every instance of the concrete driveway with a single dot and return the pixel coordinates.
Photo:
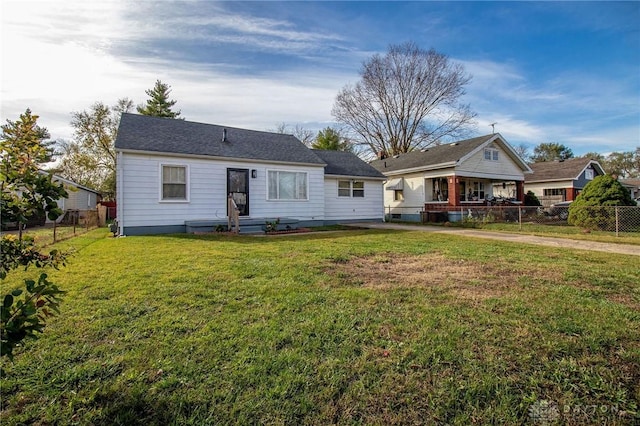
(516, 238)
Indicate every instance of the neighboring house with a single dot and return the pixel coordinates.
(450, 176)
(557, 181)
(175, 176)
(633, 185)
(80, 197)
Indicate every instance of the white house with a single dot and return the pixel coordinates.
(452, 176)
(175, 176)
(80, 197)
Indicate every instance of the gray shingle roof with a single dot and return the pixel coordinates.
(344, 163)
(165, 135)
(558, 170)
(434, 155)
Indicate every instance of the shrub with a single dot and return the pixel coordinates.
(530, 199)
(592, 209)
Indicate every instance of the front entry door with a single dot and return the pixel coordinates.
(238, 187)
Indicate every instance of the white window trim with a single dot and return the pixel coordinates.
(292, 200)
(492, 151)
(588, 174)
(187, 181)
(351, 188)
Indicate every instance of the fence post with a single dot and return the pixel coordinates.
(520, 218)
(617, 222)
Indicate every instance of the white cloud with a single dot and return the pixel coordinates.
(71, 65)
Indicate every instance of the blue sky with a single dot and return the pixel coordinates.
(566, 72)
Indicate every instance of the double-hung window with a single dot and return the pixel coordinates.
(287, 185)
(174, 183)
(351, 188)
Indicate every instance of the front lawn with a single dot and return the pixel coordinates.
(353, 327)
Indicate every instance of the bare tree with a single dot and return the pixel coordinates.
(405, 100)
(306, 136)
(523, 151)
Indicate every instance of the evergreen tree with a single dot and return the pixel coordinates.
(330, 139)
(158, 104)
(551, 151)
(593, 207)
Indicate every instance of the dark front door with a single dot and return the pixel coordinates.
(238, 187)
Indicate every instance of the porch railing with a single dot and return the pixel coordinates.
(233, 216)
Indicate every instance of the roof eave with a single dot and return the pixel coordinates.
(422, 168)
(383, 178)
(217, 158)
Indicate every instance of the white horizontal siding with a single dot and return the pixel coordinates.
(505, 168)
(139, 191)
(413, 192)
(353, 208)
(538, 188)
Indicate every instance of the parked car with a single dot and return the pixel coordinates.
(560, 209)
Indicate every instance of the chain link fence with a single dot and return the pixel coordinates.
(604, 218)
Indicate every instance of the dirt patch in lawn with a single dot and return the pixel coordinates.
(464, 278)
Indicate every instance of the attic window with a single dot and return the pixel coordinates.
(588, 174)
(491, 154)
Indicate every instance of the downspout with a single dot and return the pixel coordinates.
(119, 194)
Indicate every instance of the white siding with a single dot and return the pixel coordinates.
(413, 192)
(353, 208)
(139, 191)
(504, 169)
(539, 187)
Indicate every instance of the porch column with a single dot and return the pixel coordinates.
(520, 190)
(454, 191)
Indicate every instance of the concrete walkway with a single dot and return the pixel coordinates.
(516, 238)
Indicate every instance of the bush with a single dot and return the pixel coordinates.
(592, 209)
(530, 199)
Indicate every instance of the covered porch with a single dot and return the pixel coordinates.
(456, 191)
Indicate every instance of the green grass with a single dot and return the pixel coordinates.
(216, 329)
(44, 236)
(558, 231)
(565, 231)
